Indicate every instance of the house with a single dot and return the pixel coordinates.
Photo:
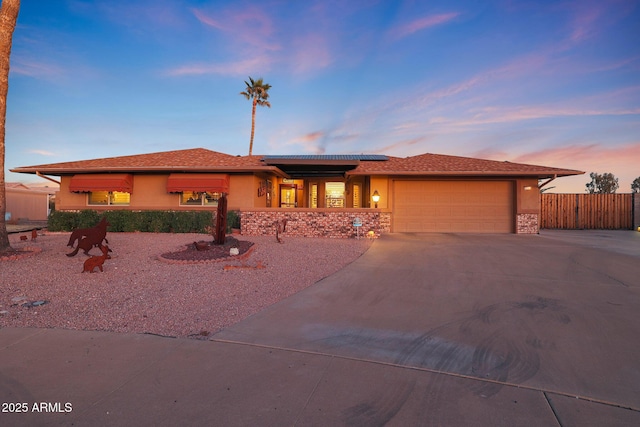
(28, 202)
(320, 195)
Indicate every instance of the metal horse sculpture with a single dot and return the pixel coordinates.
(89, 237)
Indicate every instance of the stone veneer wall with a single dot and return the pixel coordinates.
(527, 224)
(334, 223)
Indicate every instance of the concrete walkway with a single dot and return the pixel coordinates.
(430, 329)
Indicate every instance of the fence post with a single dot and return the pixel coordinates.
(635, 210)
(577, 212)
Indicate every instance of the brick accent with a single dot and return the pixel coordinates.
(527, 224)
(334, 223)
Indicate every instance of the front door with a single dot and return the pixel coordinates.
(288, 196)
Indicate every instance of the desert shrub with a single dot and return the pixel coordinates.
(123, 220)
(155, 221)
(191, 221)
(88, 218)
(233, 220)
(62, 221)
(128, 221)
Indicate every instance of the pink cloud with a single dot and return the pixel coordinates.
(619, 160)
(36, 69)
(584, 23)
(311, 53)
(399, 147)
(251, 27)
(311, 142)
(581, 152)
(421, 24)
(237, 68)
(310, 137)
(590, 18)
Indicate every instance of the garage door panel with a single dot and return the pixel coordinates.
(453, 206)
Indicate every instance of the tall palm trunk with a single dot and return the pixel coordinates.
(8, 18)
(253, 124)
(258, 92)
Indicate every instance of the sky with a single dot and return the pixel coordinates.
(553, 83)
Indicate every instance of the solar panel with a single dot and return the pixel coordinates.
(325, 157)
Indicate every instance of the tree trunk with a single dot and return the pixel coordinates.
(253, 124)
(8, 18)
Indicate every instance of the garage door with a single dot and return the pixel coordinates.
(453, 206)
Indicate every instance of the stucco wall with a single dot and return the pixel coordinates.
(527, 206)
(150, 193)
(25, 204)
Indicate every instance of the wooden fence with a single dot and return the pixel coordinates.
(587, 211)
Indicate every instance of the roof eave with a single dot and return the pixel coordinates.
(538, 174)
(169, 169)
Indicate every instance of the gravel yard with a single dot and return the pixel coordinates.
(139, 293)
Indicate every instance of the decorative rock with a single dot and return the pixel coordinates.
(234, 251)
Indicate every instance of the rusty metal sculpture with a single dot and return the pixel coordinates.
(89, 237)
(97, 261)
(79, 233)
(221, 220)
(280, 228)
(201, 246)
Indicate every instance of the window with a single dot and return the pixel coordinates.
(313, 196)
(108, 198)
(356, 196)
(334, 194)
(199, 198)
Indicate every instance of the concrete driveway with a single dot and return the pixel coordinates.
(540, 328)
(430, 329)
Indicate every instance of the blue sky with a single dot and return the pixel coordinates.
(555, 83)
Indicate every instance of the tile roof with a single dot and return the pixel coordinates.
(195, 159)
(203, 160)
(439, 164)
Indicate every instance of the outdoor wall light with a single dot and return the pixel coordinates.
(527, 188)
(376, 198)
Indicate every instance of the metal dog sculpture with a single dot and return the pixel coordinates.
(96, 261)
(79, 233)
(91, 237)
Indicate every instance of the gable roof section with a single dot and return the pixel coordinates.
(190, 160)
(439, 165)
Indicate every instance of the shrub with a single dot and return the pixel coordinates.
(88, 218)
(128, 221)
(233, 220)
(123, 220)
(62, 221)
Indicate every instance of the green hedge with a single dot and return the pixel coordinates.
(145, 221)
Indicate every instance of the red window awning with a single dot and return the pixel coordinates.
(102, 182)
(213, 183)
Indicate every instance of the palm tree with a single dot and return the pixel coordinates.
(258, 92)
(8, 18)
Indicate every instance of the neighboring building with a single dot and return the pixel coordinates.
(320, 195)
(28, 202)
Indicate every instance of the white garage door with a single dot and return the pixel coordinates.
(453, 206)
